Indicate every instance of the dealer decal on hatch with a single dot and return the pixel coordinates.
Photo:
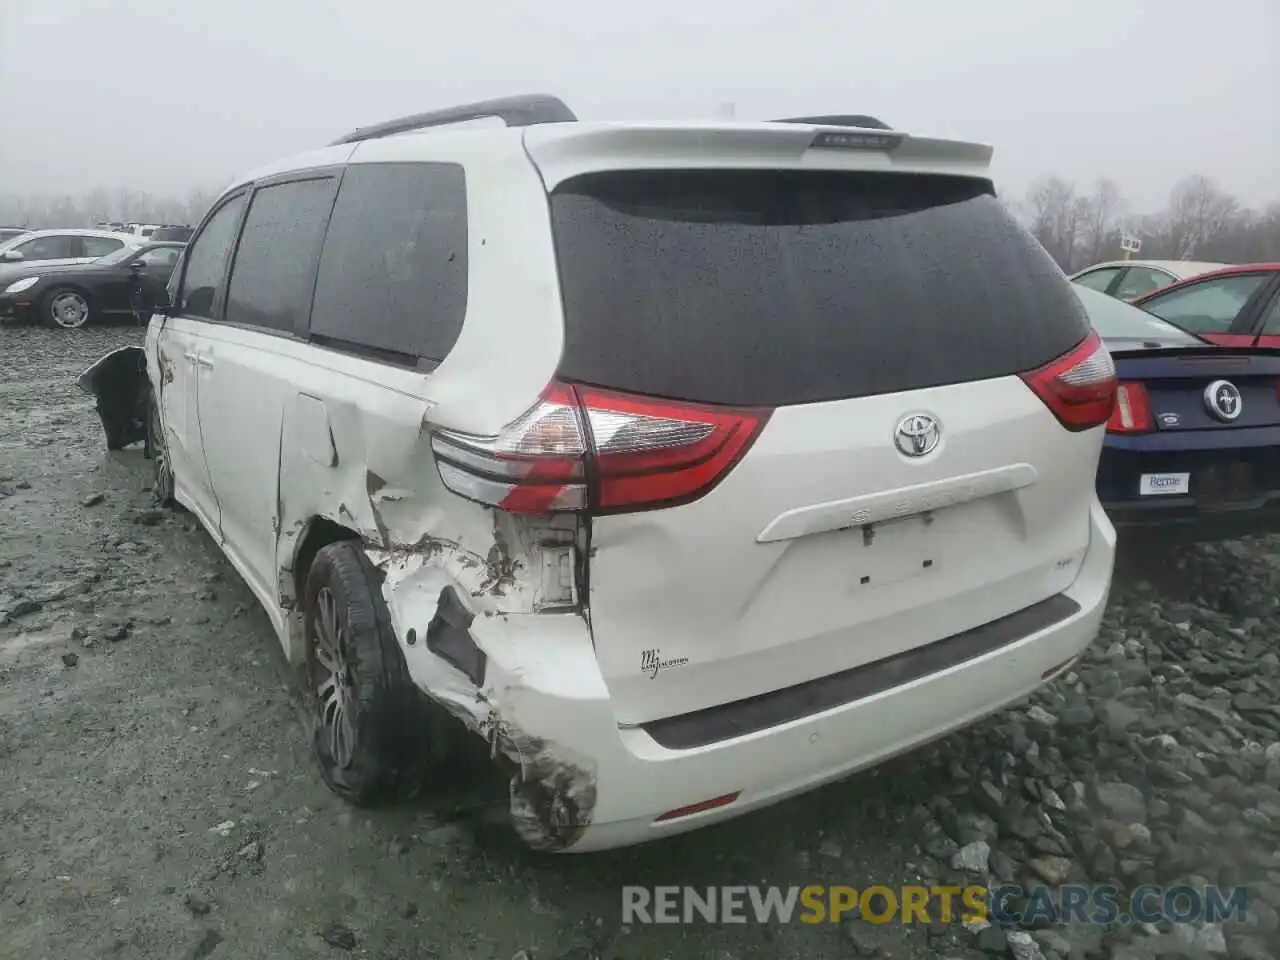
(651, 662)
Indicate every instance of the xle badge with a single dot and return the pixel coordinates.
(651, 662)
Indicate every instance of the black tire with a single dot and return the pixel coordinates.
(382, 754)
(49, 308)
(157, 452)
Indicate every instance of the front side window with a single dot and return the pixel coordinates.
(1210, 306)
(207, 259)
(393, 274)
(275, 262)
(160, 256)
(48, 248)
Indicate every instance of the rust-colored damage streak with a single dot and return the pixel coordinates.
(552, 798)
(166, 368)
(372, 484)
(499, 567)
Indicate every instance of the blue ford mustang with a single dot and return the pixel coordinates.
(1193, 445)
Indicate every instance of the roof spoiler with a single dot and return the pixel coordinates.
(841, 120)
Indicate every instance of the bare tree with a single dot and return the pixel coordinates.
(1198, 213)
(196, 204)
(1049, 206)
(1102, 228)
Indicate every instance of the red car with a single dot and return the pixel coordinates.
(1235, 307)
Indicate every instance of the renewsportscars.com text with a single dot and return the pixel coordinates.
(1005, 905)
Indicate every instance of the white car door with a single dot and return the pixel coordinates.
(184, 368)
(250, 367)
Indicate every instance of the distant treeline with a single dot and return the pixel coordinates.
(1200, 222)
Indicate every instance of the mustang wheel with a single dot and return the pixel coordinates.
(370, 731)
(66, 308)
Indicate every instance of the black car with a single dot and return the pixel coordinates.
(169, 232)
(71, 296)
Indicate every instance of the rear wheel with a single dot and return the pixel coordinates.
(67, 308)
(370, 735)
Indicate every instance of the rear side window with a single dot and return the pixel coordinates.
(1098, 279)
(1210, 306)
(100, 246)
(1140, 281)
(393, 274)
(275, 263)
(766, 287)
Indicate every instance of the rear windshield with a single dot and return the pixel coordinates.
(767, 287)
(1116, 320)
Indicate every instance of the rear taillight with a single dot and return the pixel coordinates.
(580, 449)
(1132, 413)
(1080, 386)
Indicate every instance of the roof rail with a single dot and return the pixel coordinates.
(518, 111)
(842, 120)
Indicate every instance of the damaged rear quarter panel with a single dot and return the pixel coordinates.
(381, 483)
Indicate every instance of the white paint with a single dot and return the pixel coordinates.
(753, 588)
(1164, 484)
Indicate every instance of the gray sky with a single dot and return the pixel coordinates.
(172, 95)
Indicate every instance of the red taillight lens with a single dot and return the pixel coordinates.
(1132, 413)
(1080, 386)
(580, 448)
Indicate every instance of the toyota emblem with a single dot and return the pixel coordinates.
(917, 435)
(1222, 399)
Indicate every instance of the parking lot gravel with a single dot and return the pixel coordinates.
(158, 799)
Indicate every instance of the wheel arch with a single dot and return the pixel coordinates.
(318, 531)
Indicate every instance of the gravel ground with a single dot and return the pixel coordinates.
(158, 799)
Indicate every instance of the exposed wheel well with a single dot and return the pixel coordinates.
(321, 531)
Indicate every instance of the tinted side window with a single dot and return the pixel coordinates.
(1208, 307)
(207, 258)
(275, 263)
(1098, 279)
(48, 248)
(100, 246)
(160, 257)
(393, 274)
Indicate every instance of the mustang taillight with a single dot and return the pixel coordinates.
(1132, 413)
(584, 449)
(1079, 387)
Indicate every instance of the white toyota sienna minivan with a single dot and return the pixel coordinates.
(690, 466)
